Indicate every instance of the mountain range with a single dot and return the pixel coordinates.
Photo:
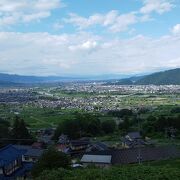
(168, 77)
(159, 78)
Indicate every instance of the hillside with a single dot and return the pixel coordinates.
(53, 79)
(13, 78)
(164, 170)
(169, 77)
(161, 78)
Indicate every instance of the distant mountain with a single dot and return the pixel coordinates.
(161, 78)
(52, 79)
(165, 77)
(127, 81)
(13, 78)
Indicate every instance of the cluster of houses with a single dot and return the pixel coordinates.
(18, 160)
(134, 149)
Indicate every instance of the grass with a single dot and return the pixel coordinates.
(165, 170)
(45, 117)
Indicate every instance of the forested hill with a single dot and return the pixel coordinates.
(161, 78)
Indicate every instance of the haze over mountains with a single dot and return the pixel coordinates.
(159, 78)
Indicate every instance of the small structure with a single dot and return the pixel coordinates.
(38, 145)
(133, 139)
(62, 148)
(97, 146)
(133, 135)
(63, 139)
(97, 160)
(78, 146)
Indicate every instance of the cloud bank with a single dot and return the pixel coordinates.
(83, 53)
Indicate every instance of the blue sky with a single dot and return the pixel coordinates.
(89, 37)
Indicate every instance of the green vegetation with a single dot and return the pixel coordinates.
(166, 77)
(156, 170)
(45, 117)
(19, 132)
(51, 159)
(85, 125)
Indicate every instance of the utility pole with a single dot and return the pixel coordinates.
(139, 149)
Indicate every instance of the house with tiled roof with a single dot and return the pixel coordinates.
(11, 164)
(31, 155)
(130, 156)
(133, 139)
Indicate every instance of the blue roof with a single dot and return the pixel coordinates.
(30, 151)
(9, 154)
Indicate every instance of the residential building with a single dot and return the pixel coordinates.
(11, 163)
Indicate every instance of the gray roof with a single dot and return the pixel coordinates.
(104, 159)
(134, 135)
(127, 156)
(131, 155)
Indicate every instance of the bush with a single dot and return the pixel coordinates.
(51, 159)
(115, 173)
(109, 126)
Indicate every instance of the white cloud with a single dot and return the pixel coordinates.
(20, 11)
(114, 21)
(176, 29)
(88, 45)
(123, 22)
(158, 6)
(58, 26)
(83, 53)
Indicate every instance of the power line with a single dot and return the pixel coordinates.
(7, 139)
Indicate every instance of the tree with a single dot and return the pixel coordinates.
(125, 125)
(51, 159)
(4, 128)
(4, 132)
(109, 126)
(81, 125)
(94, 127)
(19, 131)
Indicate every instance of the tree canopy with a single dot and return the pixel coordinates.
(51, 159)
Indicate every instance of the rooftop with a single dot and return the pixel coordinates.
(97, 158)
(9, 154)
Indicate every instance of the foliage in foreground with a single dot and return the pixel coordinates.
(51, 159)
(115, 173)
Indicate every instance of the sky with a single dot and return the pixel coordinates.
(89, 37)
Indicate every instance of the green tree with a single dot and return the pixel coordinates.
(125, 125)
(4, 132)
(94, 127)
(19, 131)
(109, 126)
(51, 159)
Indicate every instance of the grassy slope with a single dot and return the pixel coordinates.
(164, 170)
